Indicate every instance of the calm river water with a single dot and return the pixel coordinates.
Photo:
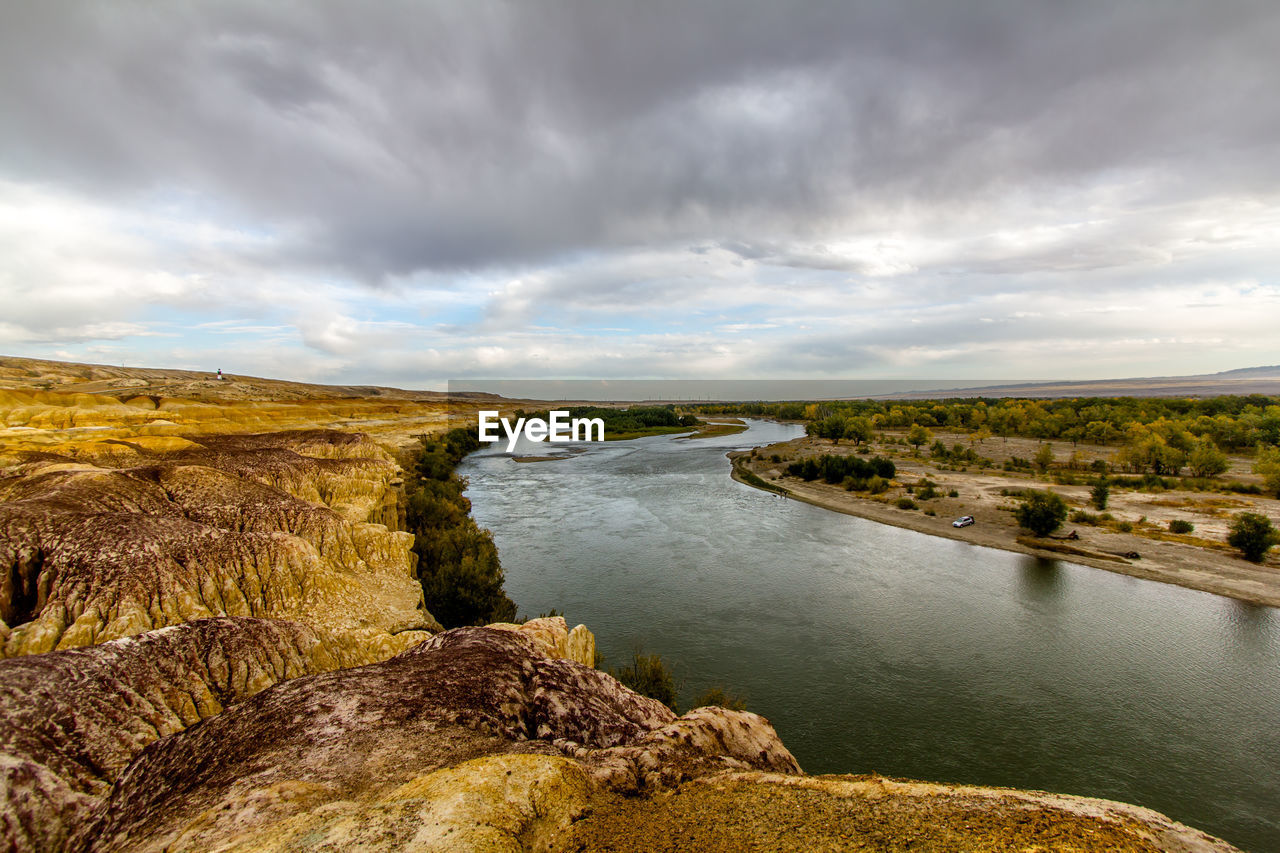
(872, 648)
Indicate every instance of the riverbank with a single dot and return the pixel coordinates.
(1201, 561)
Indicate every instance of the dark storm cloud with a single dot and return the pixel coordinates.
(388, 138)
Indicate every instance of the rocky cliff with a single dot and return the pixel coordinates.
(70, 722)
(274, 526)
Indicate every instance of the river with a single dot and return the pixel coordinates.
(873, 648)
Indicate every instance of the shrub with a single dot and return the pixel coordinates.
(928, 493)
(834, 469)
(1041, 512)
(1099, 493)
(721, 697)
(1206, 460)
(905, 503)
(1268, 467)
(1252, 534)
(1179, 525)
(1082, 517)
(751, 479)
(458, 567)
(1124, 527)
(648, 676)
(953, 494)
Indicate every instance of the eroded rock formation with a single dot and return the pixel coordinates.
(271, 526)
(242, 735)
(71, 721)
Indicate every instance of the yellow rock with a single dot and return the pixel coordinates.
(244, 526)
(552, 638)
(496, 804)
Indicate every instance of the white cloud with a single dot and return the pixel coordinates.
(626, 193)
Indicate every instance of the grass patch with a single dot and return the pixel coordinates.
(721, 697)
(752, 479)
(627, 435)
(649, 676)
(710, 430)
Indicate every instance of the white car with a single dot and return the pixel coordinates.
(963, 521)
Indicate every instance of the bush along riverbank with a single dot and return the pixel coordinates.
(458, 565)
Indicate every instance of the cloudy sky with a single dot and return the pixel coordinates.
(405, 193)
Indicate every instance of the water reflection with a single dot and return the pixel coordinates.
(1042, 579)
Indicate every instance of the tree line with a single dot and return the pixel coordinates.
(633, 419)
(834, 469)
(458, 566)
(1231, 422)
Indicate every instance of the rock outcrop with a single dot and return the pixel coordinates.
(472, 740)
(71, 721)
(258, 526)
(247, 732)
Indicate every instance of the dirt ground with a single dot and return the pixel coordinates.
(1200, 560)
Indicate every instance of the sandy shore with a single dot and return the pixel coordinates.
(1199, 561)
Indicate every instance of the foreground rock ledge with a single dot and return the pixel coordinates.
(239, 734)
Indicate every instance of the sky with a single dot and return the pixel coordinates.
(405, 193)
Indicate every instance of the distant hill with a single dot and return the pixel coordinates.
(30, 374)
(1242, 381)
(1272, 372)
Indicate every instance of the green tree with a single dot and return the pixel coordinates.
(1041, 512)
(1044, 458)
(1101, 432)
(1268, 466)
(832, 427)
(858, 430)
(1099, 493)
(1150, 452)
(917, 436)
(1206, 460)
(458, 567)
(1253, 535)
